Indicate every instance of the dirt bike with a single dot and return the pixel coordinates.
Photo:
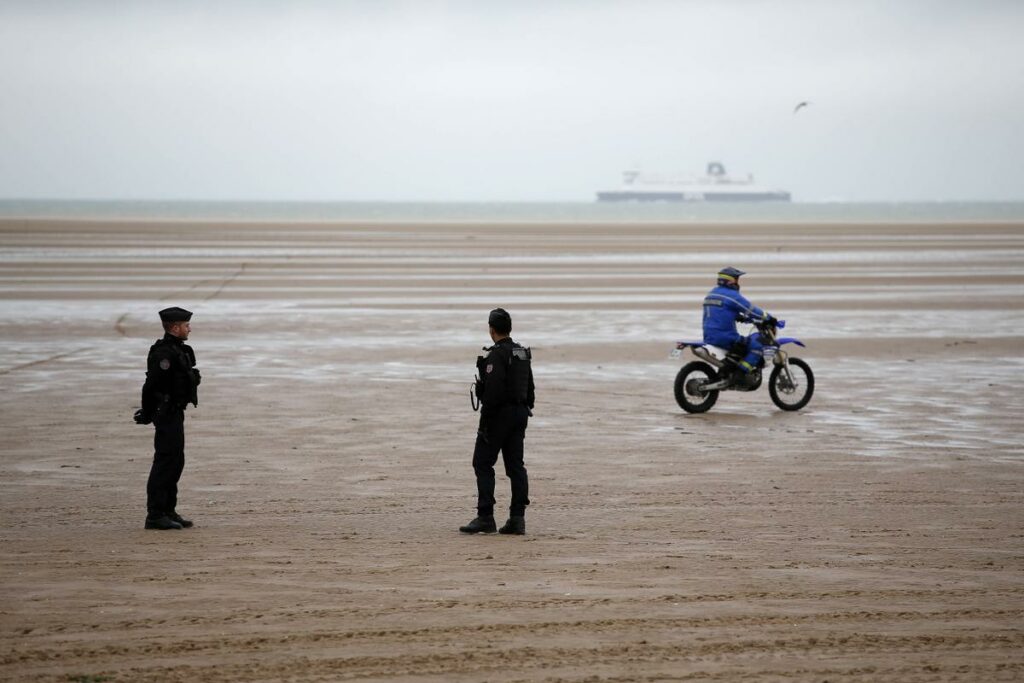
(790, 384)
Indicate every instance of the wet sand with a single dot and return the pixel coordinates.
(876, 535)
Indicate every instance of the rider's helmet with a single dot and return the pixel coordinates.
(730, 277)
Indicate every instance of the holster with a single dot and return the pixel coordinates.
(163, 405)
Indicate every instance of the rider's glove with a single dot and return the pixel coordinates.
(769, 320)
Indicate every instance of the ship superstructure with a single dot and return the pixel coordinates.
(714, 186)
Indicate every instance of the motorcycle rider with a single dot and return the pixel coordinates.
(724, 306)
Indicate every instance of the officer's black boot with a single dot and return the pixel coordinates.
(480, 525)
(163, 522)
(514, 525)
(175, 517)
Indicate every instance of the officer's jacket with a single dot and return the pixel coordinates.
(171, 376)
(507, 378)
(723, 307)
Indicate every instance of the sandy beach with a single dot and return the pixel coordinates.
(877, 535)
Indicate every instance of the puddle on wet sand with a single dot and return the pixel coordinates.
(896, 408)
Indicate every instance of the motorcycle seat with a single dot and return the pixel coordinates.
(716, 351)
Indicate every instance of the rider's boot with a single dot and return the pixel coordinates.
(744, 374)
(728, 371)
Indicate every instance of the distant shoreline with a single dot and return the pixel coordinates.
(512, 212)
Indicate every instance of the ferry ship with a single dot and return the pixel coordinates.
(714, 186)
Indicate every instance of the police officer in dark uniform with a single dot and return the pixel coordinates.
(171, 381)
(506, 393)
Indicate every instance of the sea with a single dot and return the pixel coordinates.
(519, 212)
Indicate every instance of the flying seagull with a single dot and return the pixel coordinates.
(800, 106)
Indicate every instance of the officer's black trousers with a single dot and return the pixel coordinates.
(504, 433)
(168, 462)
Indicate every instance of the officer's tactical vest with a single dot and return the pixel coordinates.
(185, 382)
(519, 374)
(517, 377)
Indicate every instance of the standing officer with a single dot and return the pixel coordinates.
(505, 390)
(171, 381)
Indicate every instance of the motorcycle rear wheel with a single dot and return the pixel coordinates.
(688, 398)
(791, 397)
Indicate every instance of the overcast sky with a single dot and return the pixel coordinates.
(523, 100)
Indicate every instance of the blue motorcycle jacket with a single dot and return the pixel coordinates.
(723, 308)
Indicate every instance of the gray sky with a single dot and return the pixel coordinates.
(525, 100)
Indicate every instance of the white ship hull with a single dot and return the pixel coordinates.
(692, 196)
(715, 186)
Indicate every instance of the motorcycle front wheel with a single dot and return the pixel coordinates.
(793, 391)
(689, 381)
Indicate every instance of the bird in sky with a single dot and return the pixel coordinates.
(800, 106)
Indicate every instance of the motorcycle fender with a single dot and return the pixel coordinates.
(790, 340)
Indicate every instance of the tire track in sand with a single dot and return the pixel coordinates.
(41, 361)
(119, 325)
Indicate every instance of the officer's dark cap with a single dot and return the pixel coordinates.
(175, 315)
(500, 320)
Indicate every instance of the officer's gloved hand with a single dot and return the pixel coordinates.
(141, 418)
(195, 374)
